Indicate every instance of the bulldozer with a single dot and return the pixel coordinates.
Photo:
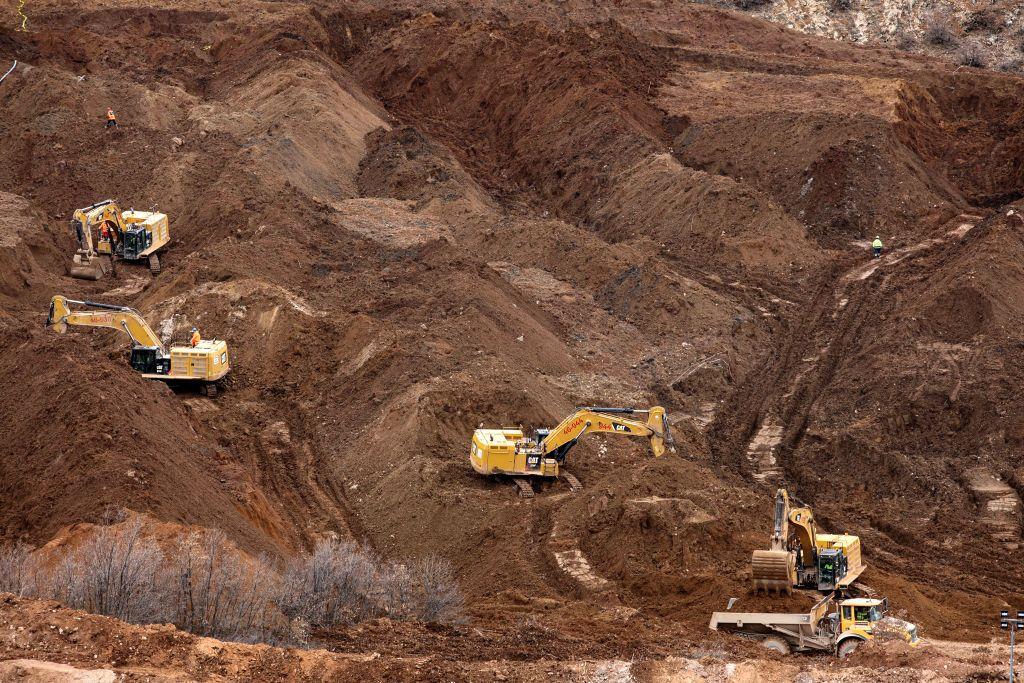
(510, 452)
(800, 557)
(202, 365)
(127, 235)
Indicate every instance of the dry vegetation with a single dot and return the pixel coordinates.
(204, 584)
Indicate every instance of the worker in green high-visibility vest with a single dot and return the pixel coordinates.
(876, 246)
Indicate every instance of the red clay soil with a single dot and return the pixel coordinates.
(412, 220)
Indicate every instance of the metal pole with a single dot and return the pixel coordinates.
(1013, 629)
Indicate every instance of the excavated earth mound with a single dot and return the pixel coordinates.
(410, 220)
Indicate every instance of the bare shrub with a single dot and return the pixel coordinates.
(1012, 66)
(907, 43)
(114, 573)
(337, 584)
(748, 5)
(971, 55)
(16, 570)
(207, 586)
(216, 590)
(982, 20)
(438, 596)
(343, 584)
(399, 592)
(938, 30)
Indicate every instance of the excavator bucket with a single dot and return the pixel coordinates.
(90, 268)
(774, 571)
(58, 311)
(662, 438)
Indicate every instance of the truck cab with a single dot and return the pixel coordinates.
(861, 619)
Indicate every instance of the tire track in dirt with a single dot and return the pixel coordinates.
(768, 416)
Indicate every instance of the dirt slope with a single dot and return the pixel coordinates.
(409, 221)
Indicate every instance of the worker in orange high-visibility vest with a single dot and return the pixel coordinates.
(195, 339)
(111, 118)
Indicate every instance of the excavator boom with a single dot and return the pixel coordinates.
(562, 438)
(122, 318)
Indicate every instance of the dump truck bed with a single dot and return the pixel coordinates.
(800, 629)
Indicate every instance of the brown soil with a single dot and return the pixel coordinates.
(410, 220)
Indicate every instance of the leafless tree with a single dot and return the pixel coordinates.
(114, 573)
(16, 570)
(439, 597)
(215, 590)
(335, 585)
(208, 586)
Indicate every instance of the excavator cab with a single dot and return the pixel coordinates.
(832, 566)
(136, 240)
(148, 359)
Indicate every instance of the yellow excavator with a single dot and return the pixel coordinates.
(800, 557)
(201, 365)
(508, 451)
(128, 235)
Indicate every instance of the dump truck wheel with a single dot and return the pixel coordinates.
(847, 647)
(776, 644)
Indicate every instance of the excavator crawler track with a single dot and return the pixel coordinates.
(524, 486)
(572, 481)
(154, 264)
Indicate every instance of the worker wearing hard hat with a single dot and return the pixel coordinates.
(111, 118)
(195, 338)
(876, 246)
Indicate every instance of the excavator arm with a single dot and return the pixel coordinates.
(93, 260)
(557, 443)
(121, 318)
(780, 532)
(774, 570)
(96, 215)
(806, 532)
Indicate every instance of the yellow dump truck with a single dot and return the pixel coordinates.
(832, 625)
